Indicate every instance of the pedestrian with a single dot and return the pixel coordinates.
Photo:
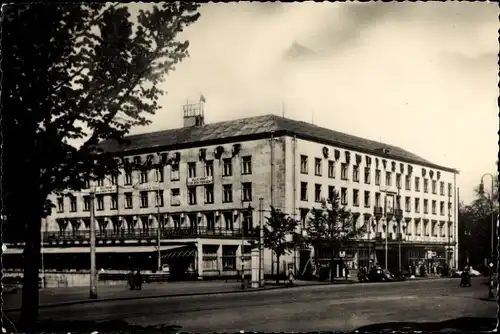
(130, 278)
(138, 280)
(346, 267)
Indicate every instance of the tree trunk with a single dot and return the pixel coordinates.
(29, 311)
(277, 268)
(332, 254)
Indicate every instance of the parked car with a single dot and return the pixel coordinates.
(472, 273)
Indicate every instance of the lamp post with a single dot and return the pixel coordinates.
(389, 214)
(93, 287)
(481, 191)
(377, 214)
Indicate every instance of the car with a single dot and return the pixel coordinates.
(472, 273)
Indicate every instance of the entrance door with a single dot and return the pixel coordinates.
(305, 263)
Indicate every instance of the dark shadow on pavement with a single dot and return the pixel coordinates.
(115, 326)
(465, 324)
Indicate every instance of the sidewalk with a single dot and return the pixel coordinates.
(77, 295)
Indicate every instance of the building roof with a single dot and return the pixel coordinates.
(258, 126)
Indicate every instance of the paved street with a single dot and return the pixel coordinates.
(321, 307)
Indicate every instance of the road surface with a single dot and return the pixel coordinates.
(337, 307)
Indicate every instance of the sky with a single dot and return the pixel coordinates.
(422, 76)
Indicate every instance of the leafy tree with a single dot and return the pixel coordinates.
(75, 73)
(279, 235)
(474, 227)
(331, 227)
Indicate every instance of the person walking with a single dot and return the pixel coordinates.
(130, 278)
(138, 280)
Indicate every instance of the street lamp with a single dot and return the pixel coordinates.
(389, 214)
(481, 191)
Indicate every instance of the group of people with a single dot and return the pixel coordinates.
(135, 280)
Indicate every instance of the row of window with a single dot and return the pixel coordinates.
(344, 167)
(304, 192)
(227, 170)
(227, 197)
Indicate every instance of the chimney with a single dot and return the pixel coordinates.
(193, 113)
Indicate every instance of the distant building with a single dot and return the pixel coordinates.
(209, 188)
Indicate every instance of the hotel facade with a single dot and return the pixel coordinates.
(198, 209)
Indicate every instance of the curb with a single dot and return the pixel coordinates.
(248, 290)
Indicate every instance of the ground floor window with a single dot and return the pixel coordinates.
(210, 257)
(229, 257)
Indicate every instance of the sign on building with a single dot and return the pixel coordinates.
(342, 254)
(199, 181)
(105, 189)
(148, 186)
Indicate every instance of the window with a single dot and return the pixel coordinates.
(441, 208)
(407, 182)
(209, 168)
(159, 174)
(408, 204)
(144, 176)
(433, 207)
(377, 200)
(246, 167)
(247, 191)
(227, 166)
(229, 258)
(331, 169)
(426, 185)
(317, 167)
(317, 192)
(367, 199)
(100, 182)
(398, 181)
(159, 198)
(388, 179)
(417, 205)
(192, 195)
(86, 203)
(417, 183)
(355, 173)
(449, 208)
(426, 206)
(441, 188)
(343, 171)
(377, 177)
(303, 164)
(72, 204)
(144, 199)
(100, 202)
(209, 194)
(87, 183)
(343, 196)
(331, 192)
(449, 189)
(114, 180)
(355, 197)
(227, 193)
(128, 201)
(367, 175)
(434, 186)
(229, 220)
(174, 172)
(303, 191)
(114, 202)
(175, 197)
(191, 169)
(128, 178)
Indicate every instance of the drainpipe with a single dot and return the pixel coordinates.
(272, 190)
(294, 206)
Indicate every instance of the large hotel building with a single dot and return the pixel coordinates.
(198, 209)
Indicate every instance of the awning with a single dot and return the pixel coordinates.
(183, 251)
(107, 249)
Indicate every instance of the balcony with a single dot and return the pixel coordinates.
(151, 233)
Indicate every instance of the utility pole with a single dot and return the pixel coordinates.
(261, 242)
(93, 287)
(242, 244)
